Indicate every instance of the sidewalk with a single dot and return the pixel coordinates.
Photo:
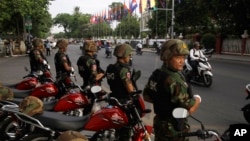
(232, 57)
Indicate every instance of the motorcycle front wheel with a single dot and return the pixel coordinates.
(8, 129)
(207, 80)
(246, 112)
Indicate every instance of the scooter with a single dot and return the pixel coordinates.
(108, 52)
(138, 51)
(204, 75)
(202, 133)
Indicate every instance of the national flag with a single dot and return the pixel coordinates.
(148, 4)
(140, 7)
(126, 10)
(104, 15)
(133, 6)
(93, 19)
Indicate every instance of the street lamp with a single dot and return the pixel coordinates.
(180, 36)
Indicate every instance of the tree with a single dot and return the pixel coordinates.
(214, 16)
(14, 12)
(129, 26)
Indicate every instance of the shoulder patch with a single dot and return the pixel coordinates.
(128, 75)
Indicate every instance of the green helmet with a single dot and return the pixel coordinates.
(6, 93)
(173, 47)
(122, 50)
(90, 45)
(62, 43)
(71, 136)
(31, 105)
(37, 43)
(196, 44)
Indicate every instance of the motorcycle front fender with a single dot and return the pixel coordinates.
(208, 73)
(141, 134)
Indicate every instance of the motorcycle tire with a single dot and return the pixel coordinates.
(8, 129)
(246, 113)
(36, 137)
(207, 80)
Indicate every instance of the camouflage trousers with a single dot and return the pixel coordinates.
(166, 130)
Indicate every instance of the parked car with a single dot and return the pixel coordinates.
(53, 44)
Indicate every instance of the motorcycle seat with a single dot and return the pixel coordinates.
(58, 121)
(21, 93)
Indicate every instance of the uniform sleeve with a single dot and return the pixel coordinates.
(125, 75)
(63, 59)
(180, 96)
(91, 64)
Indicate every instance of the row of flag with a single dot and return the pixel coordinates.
(120, 11)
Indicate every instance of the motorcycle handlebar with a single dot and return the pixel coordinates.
(115, 101)
(202, 134)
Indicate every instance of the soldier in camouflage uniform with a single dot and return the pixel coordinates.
(167, 89)
(119, 79)
(62, 61)
(36, 56)
(6, 93)
(88, 66)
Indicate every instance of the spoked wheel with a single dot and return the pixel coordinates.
(207, 80)
(8, 129)
(36, 137)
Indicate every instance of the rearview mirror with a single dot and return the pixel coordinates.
(95, 89)
(180, 113)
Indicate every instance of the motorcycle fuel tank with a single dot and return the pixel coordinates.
(71, 101)
(27, 83)
(45, 90)
(107, 118)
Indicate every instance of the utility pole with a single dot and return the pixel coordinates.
(172, 19)
(172, 22)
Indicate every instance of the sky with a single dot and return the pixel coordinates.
(86, 7)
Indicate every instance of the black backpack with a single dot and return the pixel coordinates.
(81, 63)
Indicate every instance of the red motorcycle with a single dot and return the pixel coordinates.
(33, 79)
(75, 103)
(104, 123)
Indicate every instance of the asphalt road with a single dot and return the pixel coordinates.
(221, 103)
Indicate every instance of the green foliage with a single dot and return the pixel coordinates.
(228, 17)
(208, 40)
(129, 26)
(13, 13)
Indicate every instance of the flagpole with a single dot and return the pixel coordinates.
(172, 23)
